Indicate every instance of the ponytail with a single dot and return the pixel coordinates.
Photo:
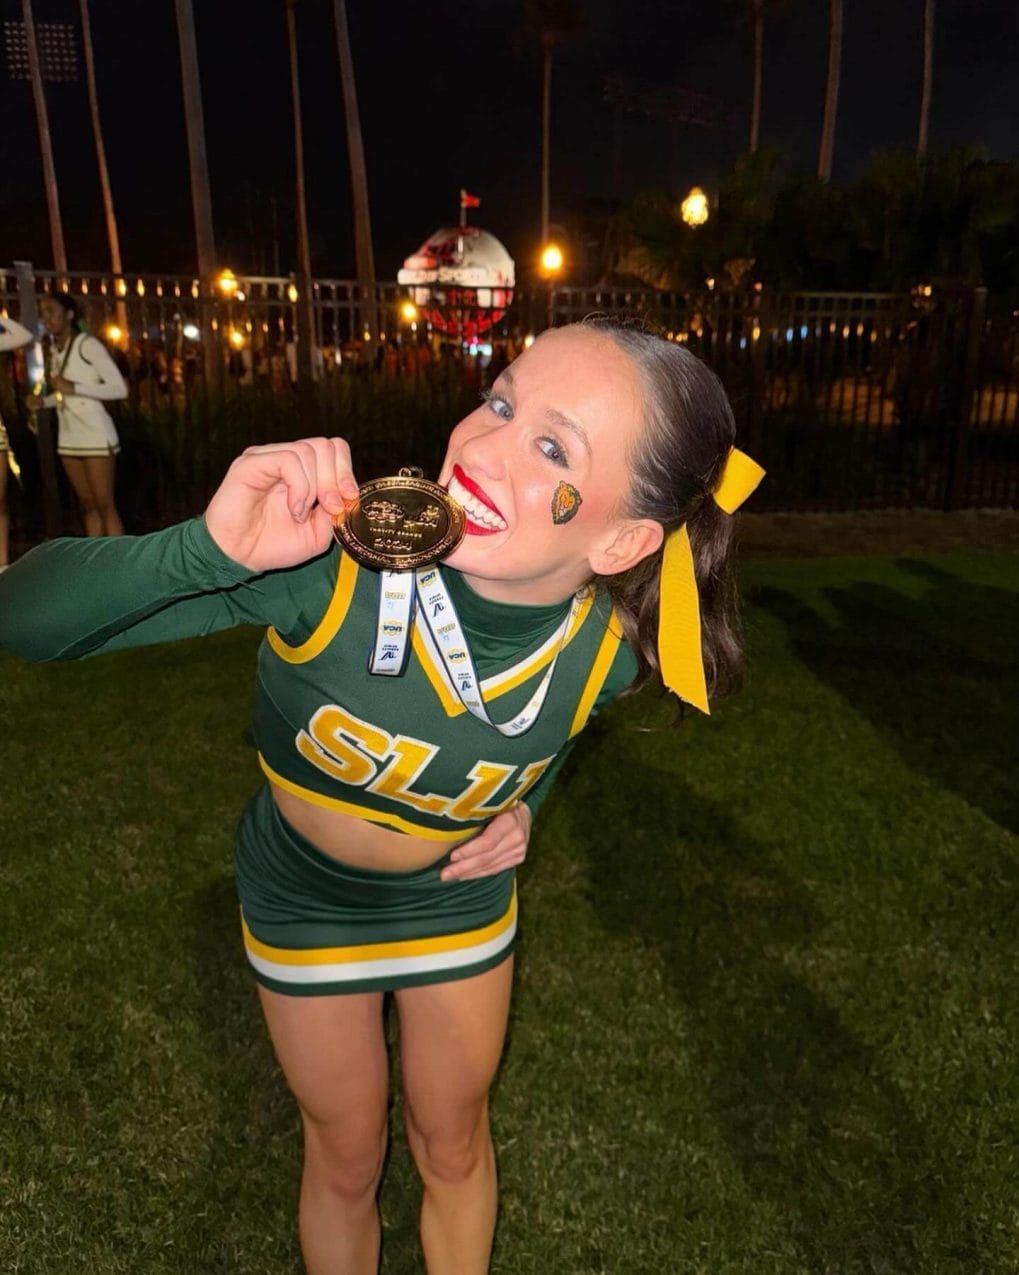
(676, 463)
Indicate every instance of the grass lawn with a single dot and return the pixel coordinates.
(766, 1012)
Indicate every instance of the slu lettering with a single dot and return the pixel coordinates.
(365, 756)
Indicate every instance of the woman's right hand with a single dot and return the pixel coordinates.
(276, 505)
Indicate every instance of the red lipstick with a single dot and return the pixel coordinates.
(475, 490)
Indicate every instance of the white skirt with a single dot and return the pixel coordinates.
(86, 429)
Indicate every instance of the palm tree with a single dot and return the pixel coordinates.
(201, 195)
(928, 77)
(104, 172)
(831, 95)
(364, 255)
(759, 9)
(550, 21)
(49, 172)
(304, 314)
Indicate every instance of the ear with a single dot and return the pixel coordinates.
(628, 543)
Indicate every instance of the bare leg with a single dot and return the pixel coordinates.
(74, 468)
(333, 1054)
(451, 1038)
(100, 472)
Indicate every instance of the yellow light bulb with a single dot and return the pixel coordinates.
(551, 258)
(694, 209)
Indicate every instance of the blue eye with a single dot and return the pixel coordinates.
(554, 451)
(498, 405)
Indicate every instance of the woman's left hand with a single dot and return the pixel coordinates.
(62, 385)
(502, 844)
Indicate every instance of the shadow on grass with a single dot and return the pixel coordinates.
(799, 1102)
(937, 676)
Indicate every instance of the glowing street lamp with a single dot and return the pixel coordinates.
(408, 311)
(113, 333)
(226, 282)
(236, 339)
(551, 259)
(694, 209)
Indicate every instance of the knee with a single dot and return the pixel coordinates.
(344, 1166)
(449, 1154)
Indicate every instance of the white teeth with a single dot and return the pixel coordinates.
(477, 512)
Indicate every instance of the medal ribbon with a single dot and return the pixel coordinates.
(429, 607)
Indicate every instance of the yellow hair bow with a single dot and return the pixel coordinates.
(680, 657)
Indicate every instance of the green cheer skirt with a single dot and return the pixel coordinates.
(314, 926)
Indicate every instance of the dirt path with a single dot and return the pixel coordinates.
(886, 531)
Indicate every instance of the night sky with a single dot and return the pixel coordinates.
(450, 97)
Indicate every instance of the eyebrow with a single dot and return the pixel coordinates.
(556, 417)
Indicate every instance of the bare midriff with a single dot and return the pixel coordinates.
(356, 841)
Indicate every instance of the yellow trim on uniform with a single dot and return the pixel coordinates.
(363, 812)
(450, 704)
(328, 626)
(499, 683)
(596, 678)
(439, 945)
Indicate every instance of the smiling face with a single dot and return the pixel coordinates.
(565, 412)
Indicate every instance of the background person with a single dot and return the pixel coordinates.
(12, 337)
(82, 375)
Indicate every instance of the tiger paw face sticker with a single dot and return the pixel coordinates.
(566, 500)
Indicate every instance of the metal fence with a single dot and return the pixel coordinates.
(850, 400)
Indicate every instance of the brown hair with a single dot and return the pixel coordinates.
(676, 464)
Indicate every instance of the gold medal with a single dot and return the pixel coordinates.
(399, 524)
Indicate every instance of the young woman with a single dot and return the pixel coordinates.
(379, 855)
(12, 337)
(81, 376)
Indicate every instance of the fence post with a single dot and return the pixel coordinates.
(46, 417)
(963, 408)
(759, 313)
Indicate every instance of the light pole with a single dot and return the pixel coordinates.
(551, 265)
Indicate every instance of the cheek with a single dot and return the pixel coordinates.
(566, 503)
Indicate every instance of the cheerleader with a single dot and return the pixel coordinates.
(12, 337)
(81, 374)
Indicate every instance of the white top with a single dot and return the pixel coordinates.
(91, 368)
(13, 335)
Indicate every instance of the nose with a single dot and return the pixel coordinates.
(486, 452)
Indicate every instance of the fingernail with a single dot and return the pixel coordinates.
(348, 489)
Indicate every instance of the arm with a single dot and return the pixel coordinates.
(111, 384)
(13, 335)
(258, 556)
(503, 841)
(70, 598)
